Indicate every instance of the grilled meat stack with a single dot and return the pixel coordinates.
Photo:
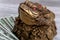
(34, 22)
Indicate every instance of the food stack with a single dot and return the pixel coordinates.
(34, 22)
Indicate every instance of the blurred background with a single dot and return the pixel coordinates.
(10, 8)
(45, 2)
